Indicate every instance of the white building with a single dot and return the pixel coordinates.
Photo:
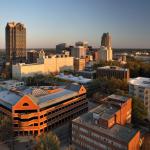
(105, 54)
(140, 87)
(44, 65)
(80, 79)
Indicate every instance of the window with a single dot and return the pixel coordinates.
(25, 104)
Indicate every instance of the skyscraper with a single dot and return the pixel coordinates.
(106, 50)
(106, 40)
(15, 42)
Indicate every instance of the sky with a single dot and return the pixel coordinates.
(50, 22)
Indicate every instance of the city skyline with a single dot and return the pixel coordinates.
(49, 23)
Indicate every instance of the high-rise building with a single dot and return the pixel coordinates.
(106, 40)
(60, 48)
(78, 52)
(15, 42)
(106, 50)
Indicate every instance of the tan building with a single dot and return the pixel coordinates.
(113, 71)
(78, 52)
(103, 128)
(44, 65)
(15, 42)
(79, 64)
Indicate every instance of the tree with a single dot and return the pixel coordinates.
(107, 86)
(6, 130)
(47, 141)
(139, 112)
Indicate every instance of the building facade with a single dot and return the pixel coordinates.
(37, 110)
(32, 56)
(103, 128)
(44, 65)
(60, 48)
(106, 48)
(113, 71)
(78, 52)
(79, 64)
(15, 42)
(140, 87)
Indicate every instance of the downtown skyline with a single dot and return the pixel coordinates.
(52, 22)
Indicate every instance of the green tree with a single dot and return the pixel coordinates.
(139, 112)
(47, 141)
(6, 130)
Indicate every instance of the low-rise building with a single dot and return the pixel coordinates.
(35, 110)
(140, 87)
(44, 65)
(113, 71)
(81, 80)
(104, 127)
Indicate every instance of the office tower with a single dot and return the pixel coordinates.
(78, 52)
(60, 48)
(140, 87)
(32, 56)
(106, 40)
(106, 50)
(15, 42)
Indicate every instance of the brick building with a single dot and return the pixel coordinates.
(104, 127)
(113, 71)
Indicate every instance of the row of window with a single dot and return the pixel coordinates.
(98, 137)
(62, 114)
(64, 107)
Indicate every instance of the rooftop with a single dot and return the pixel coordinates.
(119, 132)
(42, 96)
(105, 111)
(140, 81)
(113, 68)
(70, 77)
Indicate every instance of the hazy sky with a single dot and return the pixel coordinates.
(50, 22)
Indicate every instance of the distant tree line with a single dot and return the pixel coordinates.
(136, 67)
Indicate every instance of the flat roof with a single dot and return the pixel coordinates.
(119, 132)
(53, 98)
(8, 98)
(113, 68)
(105, 111)
(38, 95)
(140, 81)
(118, 97)
(70, 77)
